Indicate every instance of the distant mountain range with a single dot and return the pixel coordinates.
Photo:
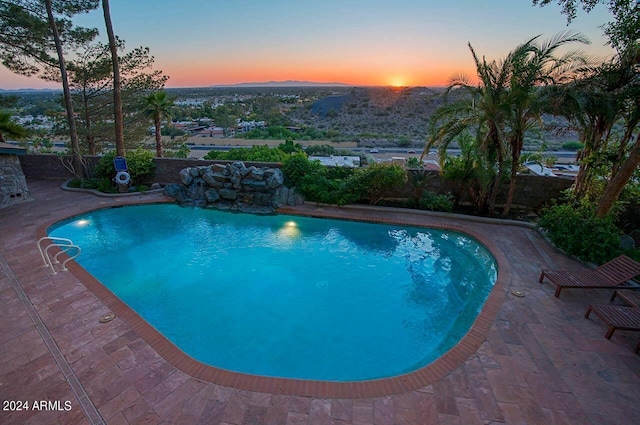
(287, 83)
(29, 90)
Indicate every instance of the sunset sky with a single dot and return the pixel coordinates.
(359, 42)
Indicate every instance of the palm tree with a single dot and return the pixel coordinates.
(590, 107)
(157, 107)
(534, 65)
(604, 106)
(481, 108)
(10, 128)
(506, 102)
(470, 171)
(627, 159)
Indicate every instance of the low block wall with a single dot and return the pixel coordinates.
(532, 192)
(49, 166)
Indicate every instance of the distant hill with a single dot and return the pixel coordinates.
(287, 83)
(330, 103)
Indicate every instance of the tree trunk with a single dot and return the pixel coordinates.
(76, 160)
(497, 182)
(117, 96)
(618, 181)
(91, 143)
(517, 148)
(580, 184)
(624, 141)
(593, 142)
(494, 138)
(512, 191)
(158, 125)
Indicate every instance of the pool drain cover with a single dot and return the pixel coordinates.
(107, 318)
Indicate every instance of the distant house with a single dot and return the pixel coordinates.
(337, 161)
(539, 170)
(13, 185)
(215, 132)
(431, 165)
(246, 126)
(398, 160)
(557, 170)
(564, 170)
(189, 102)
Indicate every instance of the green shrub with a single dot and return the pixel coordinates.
(414, 162)
(316, 182)
(289, 147)
(139, 161)
(572, 146)
(105, 185)
(75, 183)
(373, 182)
(321, 150)
(575, 229)
(435, 202)
(318, 188)
(181, 151)
(254, 154)
(338, 173)
(296, 166)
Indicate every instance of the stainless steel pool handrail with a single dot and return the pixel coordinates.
(65, 246)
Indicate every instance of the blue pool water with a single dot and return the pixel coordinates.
(288, 296)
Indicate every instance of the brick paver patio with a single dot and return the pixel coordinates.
(539, 362)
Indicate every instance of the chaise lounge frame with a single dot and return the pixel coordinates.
(615, 274)
(617, 317)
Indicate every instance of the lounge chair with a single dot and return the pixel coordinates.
(617, 317)
(614, 275)
(630, 297)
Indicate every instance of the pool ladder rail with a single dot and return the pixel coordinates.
(65, 245)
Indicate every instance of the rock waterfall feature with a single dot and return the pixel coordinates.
(233, 187)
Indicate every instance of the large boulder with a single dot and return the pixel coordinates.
(627, 242)
(257, 174)
(211, 195)
(237, 167)
(280, 197)
(186, 177)
(228, 194)
(175, 191)
(196, 189)
(254, 185)
(635, 234)
(262, 199)
(276, 179)
(295, 198)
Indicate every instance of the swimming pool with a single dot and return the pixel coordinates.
(289, 296)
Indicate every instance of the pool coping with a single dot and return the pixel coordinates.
(422, 377)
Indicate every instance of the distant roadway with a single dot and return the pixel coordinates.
(198, 151)
(382, 152)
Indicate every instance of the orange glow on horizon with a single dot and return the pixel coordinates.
(397, 81)
(202, 72)
(203, 75)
